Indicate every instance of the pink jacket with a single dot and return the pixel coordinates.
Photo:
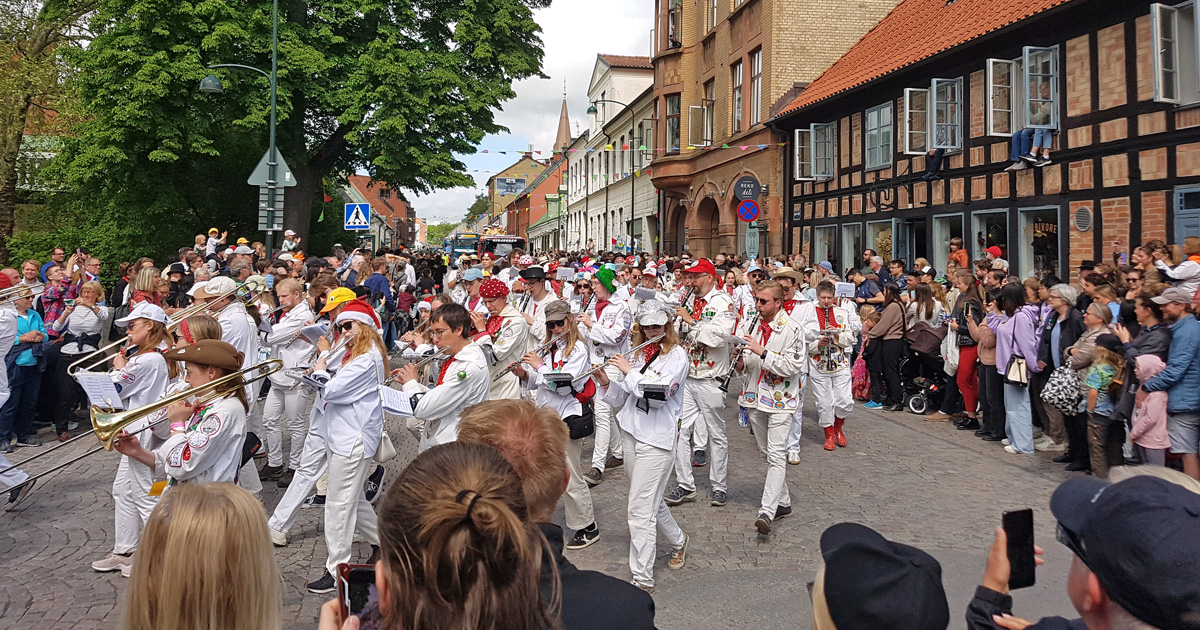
(1150, 418)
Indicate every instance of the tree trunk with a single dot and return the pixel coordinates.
(298, 204)
(12, 122)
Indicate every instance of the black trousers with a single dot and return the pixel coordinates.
(991, 399)
(889, 391)
(67, 391)
(952, 401)
(1078, 448)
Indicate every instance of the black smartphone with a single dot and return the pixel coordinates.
(358, 595)
(1018, 526)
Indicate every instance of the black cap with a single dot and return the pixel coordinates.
(533, 273)
(872, 583)
(1087, 264)
(1110, 342)
(1141, 537)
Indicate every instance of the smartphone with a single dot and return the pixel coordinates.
(358, 595)
(1018, 526)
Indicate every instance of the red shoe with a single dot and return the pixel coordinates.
(829, 438)
(838, 436)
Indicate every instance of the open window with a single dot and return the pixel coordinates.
(802, 155)
(916, 121)
(1176, 69)
(823, 147)
(878, 133)
(699, 134)
(648, 140)
(1000, 97)
(1041, 77)
(947, 114)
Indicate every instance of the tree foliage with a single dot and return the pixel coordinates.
(478, 208)
(392, 88)
(435, 234)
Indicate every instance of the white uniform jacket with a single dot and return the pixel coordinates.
(773, 384)
(653, 422)
(837, 358)
(350, 406)
(743, 299)
(238, 329)
(8, 336)
(509, 344)
(286, 347)
(210, 449)
(474, 305)
(709, 354)
(609, 335)
(141, 382)
(575, 363)
(467, 381)
(537, 310)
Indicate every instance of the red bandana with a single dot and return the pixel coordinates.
(788, 305)
(649, 351)
(600, 304)
(445, 367)
(826, 319)
(764, 330)
(494, 323)
(698, 305)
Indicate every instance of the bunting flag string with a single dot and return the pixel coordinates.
(628, 147)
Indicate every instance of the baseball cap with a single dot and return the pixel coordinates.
(653, 313)
(216, 287)
(701, 265)
(928, 271)
(286, 256)
(1176, 295)
(195, 287)
(289, 233)
(144, 310)
(557, 311)
(872, 582)
(337, 297)
(826, 265)
(472, 274)
(242, 240)
(1138, 536)
(1110, 342)
(994, 251)
(214, 231)
(242, 249)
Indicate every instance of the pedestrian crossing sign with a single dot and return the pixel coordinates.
(358, 216)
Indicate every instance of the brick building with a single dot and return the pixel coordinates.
(1117, 79)
(393, 220)
(719, 66)
(504, 187)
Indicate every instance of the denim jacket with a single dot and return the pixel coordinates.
(1182, 373)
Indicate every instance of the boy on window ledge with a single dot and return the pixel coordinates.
(1028, 143)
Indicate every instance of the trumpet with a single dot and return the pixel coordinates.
(107, 425)
(632, 352)
(301, 373)
(538, 351)
(436, 356)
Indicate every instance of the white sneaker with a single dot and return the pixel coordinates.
(1011, 450)
(1052, 447)
(1043, 443)
(126, 571)
(1005, 442)
(114, 562)
(794, 457)
(278, 538)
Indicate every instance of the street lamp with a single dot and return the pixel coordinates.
(212, 85)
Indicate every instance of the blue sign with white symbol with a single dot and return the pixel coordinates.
(358, 216)
(748, 210)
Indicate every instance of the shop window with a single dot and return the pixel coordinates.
(1173, 30)
(947, 113)
(945, 228)
(916, 121)
(1041, 75)
(988, 229)
(1187, 213)
(852, 246)
(879, 136)
(802, 155)
(824, 242)
(823, 147)
(879, 238)
(1038, 254)
(1000, 97)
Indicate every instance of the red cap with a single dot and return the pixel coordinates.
(994, 251)
(493, 288)
(701, 265)
(630, 260)
(489, 256)
(553, 266)
(5, 281)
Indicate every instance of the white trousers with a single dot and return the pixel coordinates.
(793, 439)
(285, 413)
(12, 477)
(132, 505)
(577, 500)
(833, 395)
(346, 506)
(703, 404)
(607, 439)
(312, 467)
(771, 432)
(649, 469)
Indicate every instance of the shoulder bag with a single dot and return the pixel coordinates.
(1062, 390)
(1017, 371)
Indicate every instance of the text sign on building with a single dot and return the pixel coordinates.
(746, 188)
(748, 210)
(358, 216)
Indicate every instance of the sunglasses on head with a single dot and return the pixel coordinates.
(346, 326)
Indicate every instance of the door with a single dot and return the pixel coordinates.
(1187, 213)
(902, 239)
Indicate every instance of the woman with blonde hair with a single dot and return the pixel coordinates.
(144, 287)
(79, 326)
(205, 562)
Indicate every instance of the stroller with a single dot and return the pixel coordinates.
(921, 368)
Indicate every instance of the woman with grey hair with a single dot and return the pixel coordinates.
(1096, 320)
(1060, 330)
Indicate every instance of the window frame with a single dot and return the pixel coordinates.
(933, 124)
(991, 101)
(884, 114)
(824, 135)
(1157, 13)
(712, 14)
(672, 147)
(909, 132)
(802, 164)
(1185, 49)
(1053, 77)
(648, 139)
(698, 127)
(710, 109)
(736, 77)
(755, 87)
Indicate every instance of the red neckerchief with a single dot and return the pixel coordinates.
(649, 351)
(600, 304)
(764, 330)
(556, 364)
(472, 303)
(788, 305)
(493, 324)
(698, 305)
(825, 317)
(445, 367)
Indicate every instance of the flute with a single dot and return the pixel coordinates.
(538, 351)
(437, 356)
(632, 352)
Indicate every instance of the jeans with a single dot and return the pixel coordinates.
(1022, 142)
(16, 416)
(1043, 138)
(933, 161)
(1017, 425)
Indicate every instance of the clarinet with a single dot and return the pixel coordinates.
(736, 354)
(525, 301)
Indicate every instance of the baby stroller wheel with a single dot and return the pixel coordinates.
(918, 403)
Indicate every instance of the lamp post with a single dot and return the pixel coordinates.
(212, 85)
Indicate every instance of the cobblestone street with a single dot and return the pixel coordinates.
(919, 483)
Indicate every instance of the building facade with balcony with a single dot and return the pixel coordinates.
(1114, 82)
(719, 66)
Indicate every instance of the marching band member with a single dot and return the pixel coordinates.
(505, 332)
(569, 356)
(463, 380)
(829, 370)
(649, 400)
(744, 294)
(287, 401)
(140, 379)
(711, 317)
(801, 309)
(13, 481)
(471, 281)
(607, 323)
(581, 295)
(351, 425)
(535, 306)
(771, 362)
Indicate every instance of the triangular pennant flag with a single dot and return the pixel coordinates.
(322, 217)
(642, 148)
(484, 151)
(745, 146)
(624, 147)
(608, 147)
(724, 146)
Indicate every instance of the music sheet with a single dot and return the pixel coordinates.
(396, 402)
(100, 390)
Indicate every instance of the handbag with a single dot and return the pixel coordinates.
(386, 450)
(1062, 390)
(582, 425)
(950, 351)
(1017, 371)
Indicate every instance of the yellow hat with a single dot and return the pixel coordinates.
(337, 297)
(242, 241)
(212, 230)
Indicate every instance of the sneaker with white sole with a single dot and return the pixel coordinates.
(1005, 442)
(794, 457)
(594, 476)
(584, 538)
(719, 498)
(127, 571)
(678, 556)
(278, 538)
(374, 483)
(325, 584)
(114, 562)
(645, 587)
(763, 524)
(679, 496)
(1050, 447)
(315, 501)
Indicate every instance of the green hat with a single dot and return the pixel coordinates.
(606, 277)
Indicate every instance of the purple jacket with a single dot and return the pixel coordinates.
(1017, 334)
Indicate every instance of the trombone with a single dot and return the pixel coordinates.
(538, 351)
(15, 293)
(632, 352)
(107, 425)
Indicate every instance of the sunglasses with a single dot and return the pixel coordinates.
(558, 324)
(762, 301)
(346, 326)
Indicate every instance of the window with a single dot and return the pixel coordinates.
(710, 102)
(621, 158)
(1000, 97)
(712, 14)
(736, 108)
(1041, 75)
(916, 121)
(1187, 212)
(700, 118)
(674, 19)
(1175, 65)
(755, 87)
(673, 123)
(385, 193)
(947, 111)
(648, 140)
(823, 149)
(802, 155)
(879, 136)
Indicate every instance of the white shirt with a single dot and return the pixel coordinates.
(467, 382)
(8, 336)
(561, 400)
(81, 321)
(709, 355)
(350, 407)
(658, 424)
(210, 450)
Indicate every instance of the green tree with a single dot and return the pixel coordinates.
(396, 89)
(478, 208)
(435, 234)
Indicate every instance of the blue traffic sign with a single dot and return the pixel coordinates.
(358, 216)
(748, 210)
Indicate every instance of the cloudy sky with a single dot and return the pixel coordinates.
(572, 35)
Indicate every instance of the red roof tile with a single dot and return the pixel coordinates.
(627, 61)
(915, 30)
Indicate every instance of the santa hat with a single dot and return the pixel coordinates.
(493, 288)
(359, 311)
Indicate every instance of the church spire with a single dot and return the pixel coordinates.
(563, 140)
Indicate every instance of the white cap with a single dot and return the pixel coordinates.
(289, 233)
(196, 287)
(216, 287)
(286, 256)
(144, 310)
(242, 249)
